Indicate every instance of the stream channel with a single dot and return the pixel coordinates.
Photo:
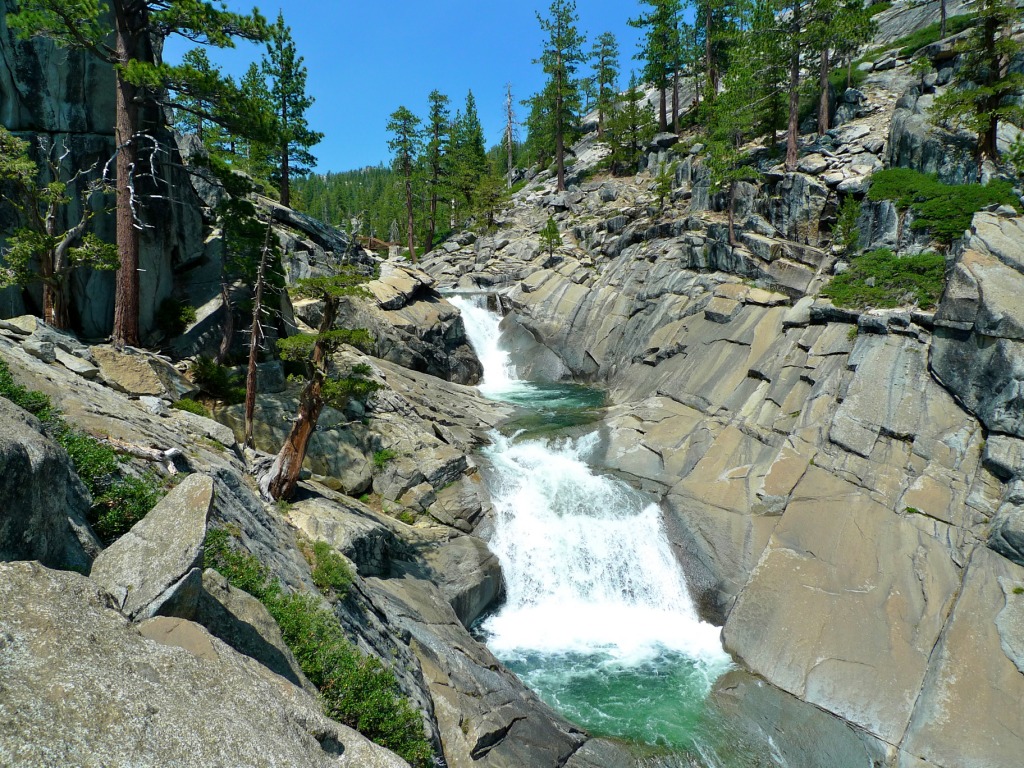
(597, 618)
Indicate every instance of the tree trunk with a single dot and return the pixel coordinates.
(663, 109)
(793, 132)
(280, 481)
(823, 112)
(408, 212)
(732, 213)
(126, 128)
(432, 232)
(942, 19)
(675, 101)
(286, 192)
(709, 55)
(228, 331)
(255, 336)
(559, 131)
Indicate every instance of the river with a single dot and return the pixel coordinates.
(597, 618)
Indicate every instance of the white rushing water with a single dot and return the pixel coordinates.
(587, 563)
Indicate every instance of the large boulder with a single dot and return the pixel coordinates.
(978, 351)
(82, 686)
(156, 566)
(43, 515)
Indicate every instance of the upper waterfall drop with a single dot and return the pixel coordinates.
(483, 331)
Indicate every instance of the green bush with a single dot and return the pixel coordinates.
(876, 8)
(192, 406)
(356, 690)
(944, 210)
(881, 279)
(118, 501)
(174, 316)
(217, 380)
(36, 403)
(330, 570)
(915, 41)
(383, 457)
(123, 504)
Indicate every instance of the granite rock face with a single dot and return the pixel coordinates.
(44, 510)
(165, 692)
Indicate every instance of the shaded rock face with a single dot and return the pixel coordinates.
(412, 326)
(68, 98)
(177, 695)
(43, 515)
(157, 566)
(978, 351)
(916, 143)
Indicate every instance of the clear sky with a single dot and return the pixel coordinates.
(366, 58)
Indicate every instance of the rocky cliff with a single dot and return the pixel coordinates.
(842, 486)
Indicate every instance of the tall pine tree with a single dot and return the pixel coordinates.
(438, 138)
(661, 50)
(287, 76)
(561, 57)
(604, 57)
(405, 142)
(126, 35)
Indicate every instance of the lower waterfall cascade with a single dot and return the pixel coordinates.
(597, 618)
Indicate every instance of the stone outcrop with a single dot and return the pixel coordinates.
(43, 515)
(165, 692)
(156, 568)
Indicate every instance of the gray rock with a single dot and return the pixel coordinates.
(43, 350)
(179, 696)
(468, 574)
(43, 515)
(138, 373)
(812, 164)
(77, 365)
(1007, 533)
(242, 621)
(155, 567)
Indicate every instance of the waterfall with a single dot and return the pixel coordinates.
(482, 329)
(597, 618)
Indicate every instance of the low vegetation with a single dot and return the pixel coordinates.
(383, 457)
(331, 572)
(192, 406)
(943, 210)
(882, 279)
(356, 690)
(120, 499)
(217, 381)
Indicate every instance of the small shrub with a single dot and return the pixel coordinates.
(912, 511)
(217, 380)
(192, 406)
(355, 690)
(846, 235)
(123, 504)
(383, 457)
(36, 403)
(174, 316)
(852, 333)
(944, 210)
(406, 517)
(1018, 590)
(95, 463)
(365, 498)
(915, 41)
(876, 8)
(881, 279)
(331, 571)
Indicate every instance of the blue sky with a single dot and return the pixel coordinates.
(367, 58)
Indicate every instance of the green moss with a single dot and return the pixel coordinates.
(355, 690)
(192, 406)
(944, 210)
(119, 500)
(123, 504)
(383, 457)
(881, 279)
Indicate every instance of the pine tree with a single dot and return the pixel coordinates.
(40, 250)
(255, 152)
(561, 57)
(438, 130)
(314, 351)
(468, 157)
(661, 49)
(550, 237)
(605, 62)
(630, 129)
(287, 74)
(835, 26)
(981, 94)
(129, 45)
(406, 142)
(510, 135)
